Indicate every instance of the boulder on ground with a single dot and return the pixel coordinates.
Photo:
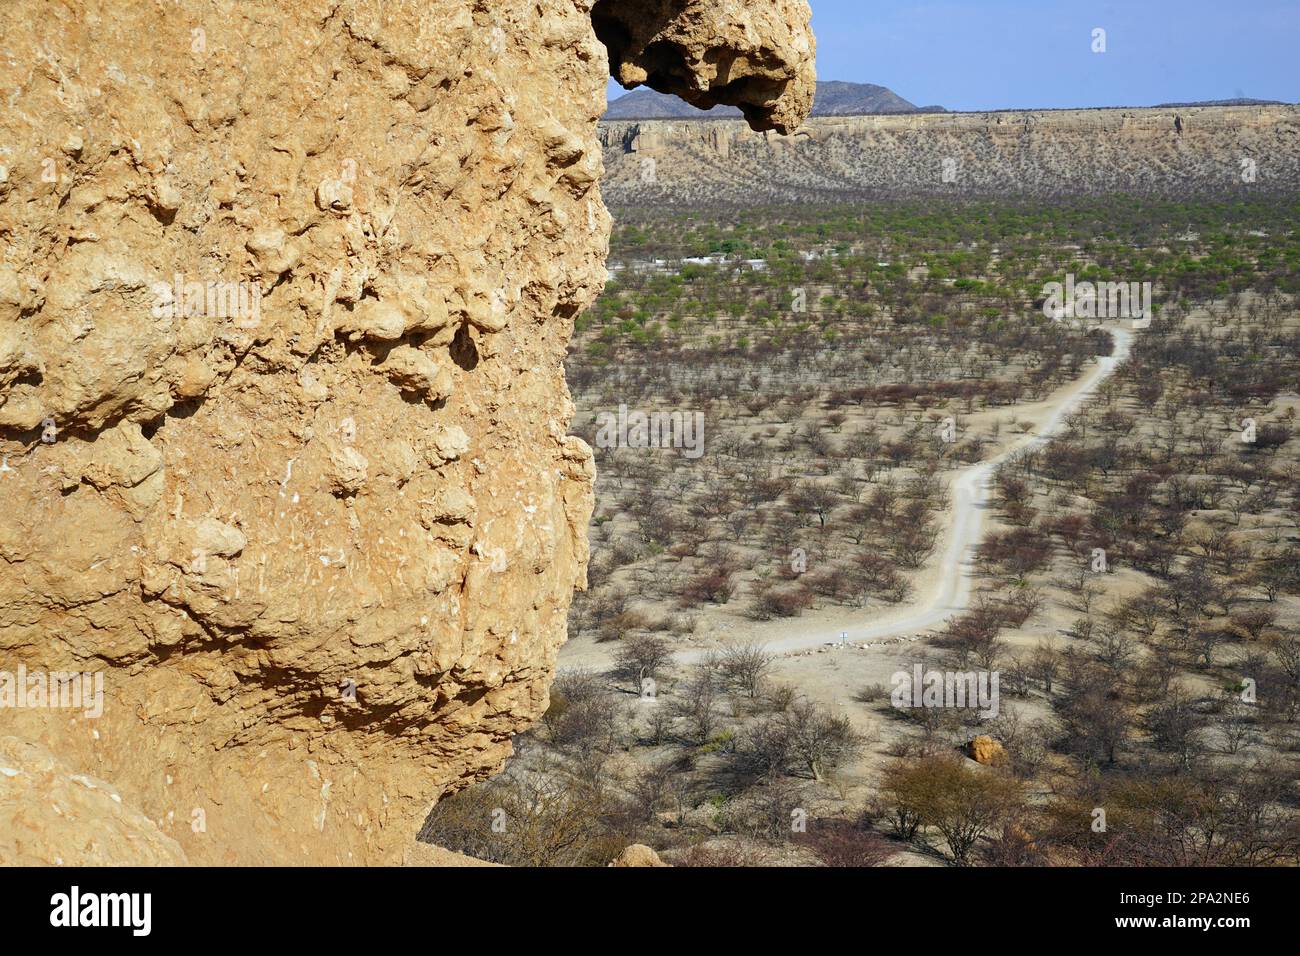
(638, 854)
(985, 750)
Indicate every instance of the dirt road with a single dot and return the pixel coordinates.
(948, 591)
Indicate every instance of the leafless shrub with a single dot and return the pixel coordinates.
(641, 656)
(746, 666)
(846, 843)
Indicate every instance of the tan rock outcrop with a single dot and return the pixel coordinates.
(986, 750)
(757, 56)
(422, 854)
(53, 816)
(284, 298)
(637, 855)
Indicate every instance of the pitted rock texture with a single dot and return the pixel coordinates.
(284, 296)
(756, 56)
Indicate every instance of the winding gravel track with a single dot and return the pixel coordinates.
(971, 496)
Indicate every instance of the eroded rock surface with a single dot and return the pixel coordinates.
(53, 816)
(756, 56)
(987, 750)
(284, 295)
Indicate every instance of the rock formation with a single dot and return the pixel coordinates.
(1224, 151)
(283, 426)
(987, 750)
(637, 855)
(755, 56)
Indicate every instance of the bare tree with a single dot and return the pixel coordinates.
(641, 656)
(820, 741)
(746, 666)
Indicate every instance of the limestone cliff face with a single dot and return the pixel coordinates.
(1173, 152)
(284, 296)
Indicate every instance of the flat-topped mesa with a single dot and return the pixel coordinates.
(1228, 151)
(284, 452)
(757, 55)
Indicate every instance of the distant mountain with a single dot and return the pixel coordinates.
(833, 98)
(836, 98)
(1239, 101)
(649, 104)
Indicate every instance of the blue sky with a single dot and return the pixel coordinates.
(1003, 54)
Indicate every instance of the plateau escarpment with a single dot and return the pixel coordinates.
(284, 297)
(1168, 152)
